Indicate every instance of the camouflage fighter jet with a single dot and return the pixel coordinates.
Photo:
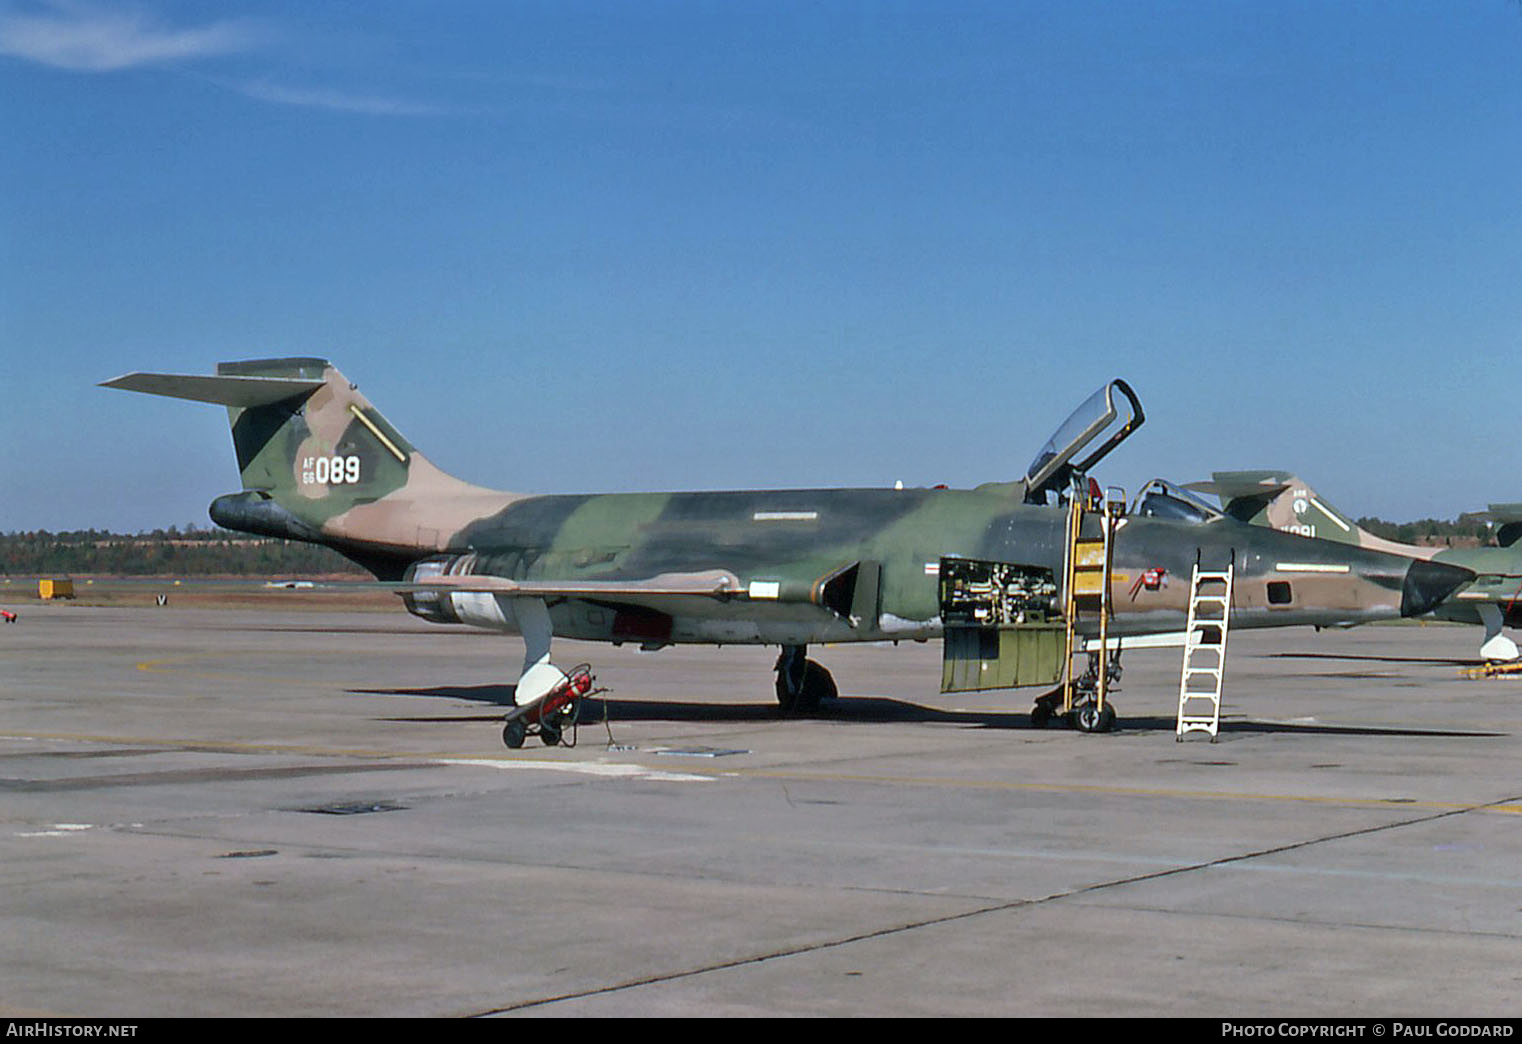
(991, 569)
(1282, 501)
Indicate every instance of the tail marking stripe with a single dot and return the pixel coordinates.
(367, 422)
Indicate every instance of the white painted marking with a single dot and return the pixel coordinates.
(1163, 640)
(329, 471)
(1309, 567)
(765, 588)
(58, 830)
(1322, 508)
(784, 516)
(609, 770)
(897, 627)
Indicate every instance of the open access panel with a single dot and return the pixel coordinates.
(1002, 625)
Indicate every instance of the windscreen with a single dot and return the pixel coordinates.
(1162, 499)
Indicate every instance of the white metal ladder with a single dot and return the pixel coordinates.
(1205, 651)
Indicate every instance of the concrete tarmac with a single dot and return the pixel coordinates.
(234, 812)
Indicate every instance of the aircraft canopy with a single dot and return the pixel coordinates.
(1107, 417)
(1162, 499)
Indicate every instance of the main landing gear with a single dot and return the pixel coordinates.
(550, 716)
(802, 684)
(1086, 715)
(548, 698)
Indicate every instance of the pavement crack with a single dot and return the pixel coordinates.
(982, 911)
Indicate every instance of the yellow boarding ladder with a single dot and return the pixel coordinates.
(1087, 589)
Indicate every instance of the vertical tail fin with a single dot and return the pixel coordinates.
(319, 463)
(1281, 500)
(318, 452)
(304, 436)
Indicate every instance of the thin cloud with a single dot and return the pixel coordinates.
(334, 101)
(84, 38)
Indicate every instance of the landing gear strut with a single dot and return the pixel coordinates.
(1086, 715)
(802, 684)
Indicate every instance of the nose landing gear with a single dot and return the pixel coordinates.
(1088, 714)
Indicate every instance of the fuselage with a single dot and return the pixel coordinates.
(319, 463)
(784, 547)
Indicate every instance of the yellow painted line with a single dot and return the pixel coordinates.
(167, 665)
(1119, 791)
(494, 760)
(620, 770)
(359, 415)
(208, 744)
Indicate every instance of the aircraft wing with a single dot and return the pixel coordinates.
(715, 583)
(718, 584)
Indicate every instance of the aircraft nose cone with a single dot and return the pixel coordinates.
(1427, 584)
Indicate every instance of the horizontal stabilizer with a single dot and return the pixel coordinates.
(1235, 485)
(225, 391)
(1508, 522)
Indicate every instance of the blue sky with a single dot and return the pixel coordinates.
(574, 246)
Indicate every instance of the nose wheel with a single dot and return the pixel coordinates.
(1085, 717)
(1090, 717)
(1086, 713)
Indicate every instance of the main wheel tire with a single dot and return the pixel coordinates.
(1088, 717)
(817, 686)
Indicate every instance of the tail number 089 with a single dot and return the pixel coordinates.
(330, 471)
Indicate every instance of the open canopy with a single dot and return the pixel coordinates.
(1107, 417)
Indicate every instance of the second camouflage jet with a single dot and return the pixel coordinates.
(1017, 577)
(1280, 500)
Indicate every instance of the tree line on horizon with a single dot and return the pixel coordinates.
(191, 551)
(1466, 531)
